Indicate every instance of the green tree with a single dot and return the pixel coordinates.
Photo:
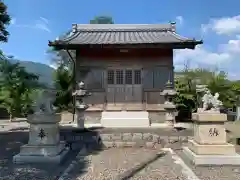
(64, 75)
(102, 20)
(216, 81)
(64, 85)
(16, 87)
(186, 98)
(236, 92)
(4, 21)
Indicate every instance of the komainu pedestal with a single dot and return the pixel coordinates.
(44, 145)
(209, 145)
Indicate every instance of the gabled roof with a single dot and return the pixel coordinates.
(121, 34)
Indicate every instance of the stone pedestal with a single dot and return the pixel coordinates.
(80, 118)
(44, 144)
(209, 145)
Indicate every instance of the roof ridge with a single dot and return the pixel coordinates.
(124, 30)
(122, 27)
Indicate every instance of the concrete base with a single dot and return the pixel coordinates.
(184, 125)
(125, 119)
(214, 149)
(22, 159)
(196, 159)
(159, 125)
(75, 124)
(41, 154)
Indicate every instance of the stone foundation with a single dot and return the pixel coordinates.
(157, 116)
(217, 149)
(133, 119)
(121, 140)
(148, 140)
(94, 117)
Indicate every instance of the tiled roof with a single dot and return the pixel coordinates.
(92, 34)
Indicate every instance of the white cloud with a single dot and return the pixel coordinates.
(53, 66)
(233, 46)
(225, 58)
(13, 21)
(223, 26)
(179, 19)
(200, 55)
(45, 20)
(41, 24)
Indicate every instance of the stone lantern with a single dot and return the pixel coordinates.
(80, 105)
(169, 93)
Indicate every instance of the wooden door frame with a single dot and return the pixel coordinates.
(123, 68)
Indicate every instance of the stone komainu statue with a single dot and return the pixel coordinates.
(44, 103)
(210, 102)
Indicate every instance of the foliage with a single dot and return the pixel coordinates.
(4, 21)
(63, 84)
(16, 88)
(216, 81)
(102, 20)
(186, 98)
(64, 75)
(236, 92)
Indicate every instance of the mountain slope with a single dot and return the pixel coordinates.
(44, 71)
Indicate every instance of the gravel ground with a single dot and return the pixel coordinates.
(109, 164)
(10, 143)
(128, 163)
(144, 164)
(212, 172)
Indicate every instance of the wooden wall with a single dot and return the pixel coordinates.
(157, 66)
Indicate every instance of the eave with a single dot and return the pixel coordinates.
(179, 45)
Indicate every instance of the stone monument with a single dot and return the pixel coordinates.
(80, 106)
(169, 106)
(44, 145)
(209, 145)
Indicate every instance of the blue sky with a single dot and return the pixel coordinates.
(216, 22)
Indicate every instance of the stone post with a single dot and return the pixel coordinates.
(238, 113)
(81, 106)
(44, 144)
(209, 145)
(169, 106)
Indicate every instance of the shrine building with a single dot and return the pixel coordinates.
(124, 66)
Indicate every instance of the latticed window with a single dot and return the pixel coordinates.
(110, 77)
(137, 77)
(119, 76)
(128, 77)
